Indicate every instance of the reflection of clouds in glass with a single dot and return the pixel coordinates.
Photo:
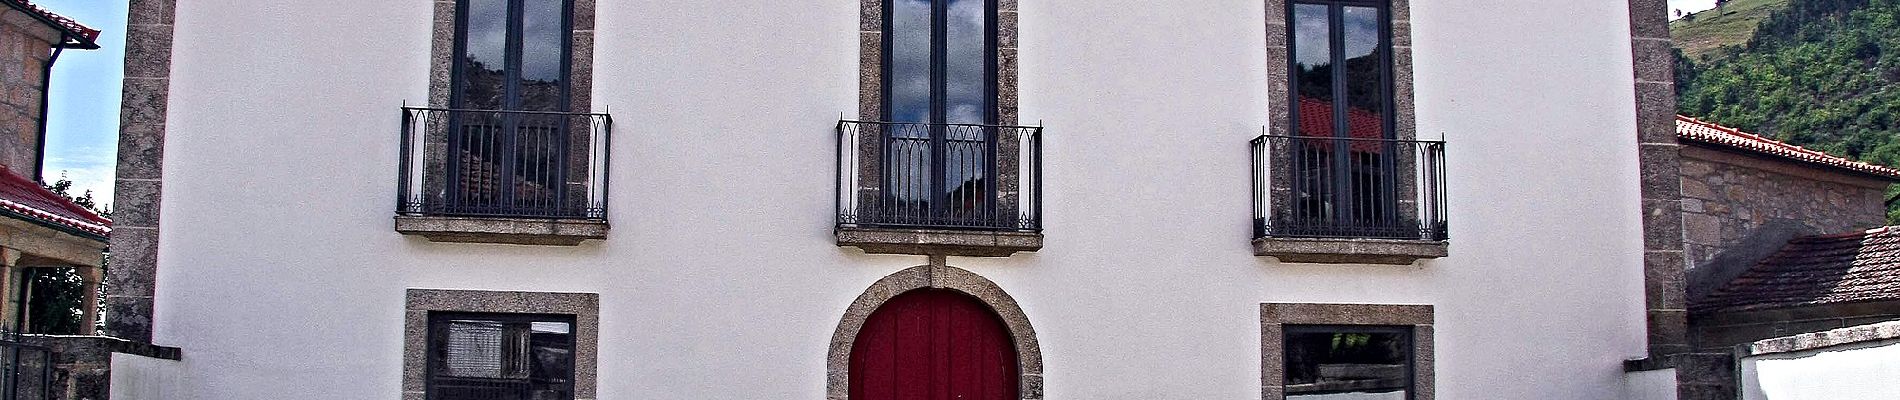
(1311, 28)
(1362, 31)
(487, 35)
(967, 80)
(966, 62)
(910, 61)
(542, 39)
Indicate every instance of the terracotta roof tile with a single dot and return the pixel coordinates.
(89, 35)
(1708, 132)
(25, 197)
(1816, 270)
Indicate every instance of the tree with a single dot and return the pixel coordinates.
(57, 295)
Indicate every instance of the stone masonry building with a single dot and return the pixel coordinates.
(1779, 240)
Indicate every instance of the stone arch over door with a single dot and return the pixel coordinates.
(1023, 336)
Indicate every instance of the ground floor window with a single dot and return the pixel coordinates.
(501, 356)
(1359, 362)
(1345, 351)
(489, 345)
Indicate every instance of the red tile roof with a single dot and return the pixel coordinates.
(87, 37)
(1708, 132)
(1816, 270)
(24, 197)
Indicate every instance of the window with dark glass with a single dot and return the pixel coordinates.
(939, 95)
(1344, 153)
(500, 357)
(1356, 362)
(509, 145)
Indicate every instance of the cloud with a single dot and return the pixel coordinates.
(90, 168)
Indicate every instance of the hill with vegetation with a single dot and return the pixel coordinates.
(1704, 33)
(1823, 74)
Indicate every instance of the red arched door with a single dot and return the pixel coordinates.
(933, 345)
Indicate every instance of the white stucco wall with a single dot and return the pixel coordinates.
(1859, 371)
(144, 378)
(280, 275)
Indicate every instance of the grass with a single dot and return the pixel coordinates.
(1703, 33)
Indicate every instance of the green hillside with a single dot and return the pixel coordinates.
(1702, 33)
(1818, 73)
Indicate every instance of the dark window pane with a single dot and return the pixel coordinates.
(1313, 68)
(484, 56)
(909, 61)
(543, 52)
(1329, 363)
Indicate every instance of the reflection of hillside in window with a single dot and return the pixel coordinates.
(511, 56)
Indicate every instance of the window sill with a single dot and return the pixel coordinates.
(1348, 251)
(524, 231)
(939, 242)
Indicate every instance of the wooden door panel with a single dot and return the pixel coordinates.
(933, 345)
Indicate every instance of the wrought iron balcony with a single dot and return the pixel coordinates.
(939, 176)
(1351, 188)
(507, 164)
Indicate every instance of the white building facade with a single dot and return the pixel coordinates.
(1114, 224)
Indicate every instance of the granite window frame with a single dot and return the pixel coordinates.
(872, 91)
(419, 304)
(1276, 317)
(445, 51)
(446, 46)
(1403, 118)
(873, 47)
(1401, 125)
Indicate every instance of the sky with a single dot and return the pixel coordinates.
(82, 130)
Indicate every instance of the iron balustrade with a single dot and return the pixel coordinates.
(490, 163)
(1326, 187)
(26, 371)
(939, 176)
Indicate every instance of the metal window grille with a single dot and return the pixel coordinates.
(1327, 187)
(939, 176)
(529, 164)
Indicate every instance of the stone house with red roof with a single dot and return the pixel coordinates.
(42, 231)
(1780, 240)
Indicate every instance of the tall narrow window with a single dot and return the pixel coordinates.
(1344, 159)
(940, 90)
(500, 356)
(511, 76)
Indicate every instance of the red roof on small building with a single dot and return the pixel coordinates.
(1708, 132)
(87, 37)
(22, 196)
(1816, 270)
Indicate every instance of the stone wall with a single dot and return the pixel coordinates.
(82, 365)
(1738, 203)
(24, 50)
